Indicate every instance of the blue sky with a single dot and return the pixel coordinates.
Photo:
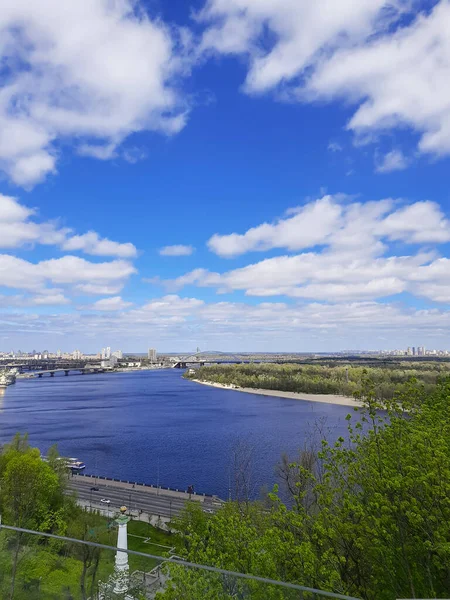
(239, 175)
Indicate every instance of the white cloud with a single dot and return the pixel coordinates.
(326, 276)
(352, 256)
(312, 225)
(91, 243)
(390, 60)
(175, 322)
(344, 226)
(90, 71)
(17, 229)
(301, 29)
(392, 161)
(72, 269)
(335, 147)
(110, 304)
(11, 211)
(51, 298)
(94, 289)
(20, 274)
(417, 223)
(177, 250)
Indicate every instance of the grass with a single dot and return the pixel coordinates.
(53, 570)
(157, 538)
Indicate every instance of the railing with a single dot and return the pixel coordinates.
(43, 566)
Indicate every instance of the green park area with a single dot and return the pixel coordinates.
(32, 496)
(327, 377)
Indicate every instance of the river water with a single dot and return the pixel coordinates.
(156, 427)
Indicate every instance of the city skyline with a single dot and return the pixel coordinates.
(151, 354)
(164, 182)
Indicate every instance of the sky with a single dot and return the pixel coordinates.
(234, 175)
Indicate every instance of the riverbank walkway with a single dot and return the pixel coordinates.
(137, 497)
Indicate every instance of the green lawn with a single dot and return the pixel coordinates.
(157, 539)
(51, 569)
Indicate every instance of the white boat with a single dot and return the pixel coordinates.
(7, 377)
(75, 464)
(70, 463)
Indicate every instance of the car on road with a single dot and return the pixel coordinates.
(95, 489)
(208, 510)
(105, 501)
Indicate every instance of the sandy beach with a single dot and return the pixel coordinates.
(326, 398)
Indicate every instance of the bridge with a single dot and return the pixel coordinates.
(45, 364)
(200, 360)
(82, 370)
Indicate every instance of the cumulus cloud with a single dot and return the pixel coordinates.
(50, 298)
(311, 225)
(18, 273)
(96, 289)
(16, 228)
(90, 72)
(384, 57)
(173, 320)
(107, 304)
(392, 161)
(332, 222)
(19, 226)
(353, 254)
(91, 243)
(177, 250)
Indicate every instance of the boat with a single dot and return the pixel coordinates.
(70, 463)
(75, 464)
(7, 377)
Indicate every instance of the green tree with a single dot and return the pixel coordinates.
(31, 495)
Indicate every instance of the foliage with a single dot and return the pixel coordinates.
(369, 518)
(32, 496)
(329, 378)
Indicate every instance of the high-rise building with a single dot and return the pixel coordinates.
(151, 354)
(413, 351)
(409, 351)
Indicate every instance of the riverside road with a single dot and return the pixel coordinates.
(154, 501)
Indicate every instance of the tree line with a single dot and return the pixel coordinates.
(366, 516)
(33, 495)
(343, 380)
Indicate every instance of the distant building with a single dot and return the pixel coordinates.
(152, 354)
(118, 354)
(58, 354)
(77, 355)
(106, 353)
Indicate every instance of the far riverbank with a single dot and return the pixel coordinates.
(325, 398)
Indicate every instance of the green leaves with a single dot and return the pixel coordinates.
(376, 523)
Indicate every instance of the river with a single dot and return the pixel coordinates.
(156, 427)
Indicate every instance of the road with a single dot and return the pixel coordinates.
(134, 499)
